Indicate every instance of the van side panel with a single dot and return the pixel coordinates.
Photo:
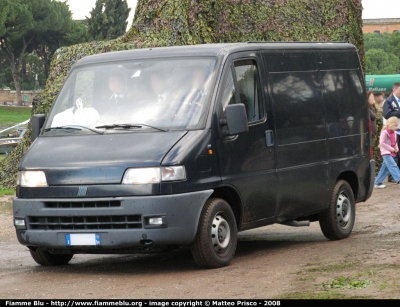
(300, 132)
(347, 117)
(346, 110)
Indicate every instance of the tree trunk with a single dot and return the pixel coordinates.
(15, 72)
(16, 65)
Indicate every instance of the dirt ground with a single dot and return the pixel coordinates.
(271, 262)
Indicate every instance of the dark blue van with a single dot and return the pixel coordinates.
(151, 149)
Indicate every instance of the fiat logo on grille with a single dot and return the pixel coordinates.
(82, 191)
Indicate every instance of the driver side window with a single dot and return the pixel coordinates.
(242, 86)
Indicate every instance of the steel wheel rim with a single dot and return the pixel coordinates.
(343, 210)
(220, 233)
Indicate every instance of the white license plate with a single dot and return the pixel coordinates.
(73, 239)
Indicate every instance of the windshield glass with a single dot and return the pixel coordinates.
(157, 94)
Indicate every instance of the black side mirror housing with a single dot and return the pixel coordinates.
(37, 121)
(236, 119)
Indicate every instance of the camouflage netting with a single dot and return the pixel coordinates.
(187, 22)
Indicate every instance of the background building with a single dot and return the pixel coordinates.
(381, 25)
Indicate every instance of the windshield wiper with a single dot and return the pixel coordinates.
(130, 126)
(73, 127)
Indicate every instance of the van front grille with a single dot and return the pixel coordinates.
(85, 222)
(84, 204)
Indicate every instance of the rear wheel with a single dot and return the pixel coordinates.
(43, 257)
(338, 221)
(216, 239)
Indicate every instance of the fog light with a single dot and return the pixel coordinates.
(19, 223)
(155, 221)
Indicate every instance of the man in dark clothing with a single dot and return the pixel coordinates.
(391, 107)
(117, 85)
(119, 102)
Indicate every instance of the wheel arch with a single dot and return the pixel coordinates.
(232, 197)
(351, 178)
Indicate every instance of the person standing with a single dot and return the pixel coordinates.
(391, 107)
(379, 99)
(372, 111)
(389, 149)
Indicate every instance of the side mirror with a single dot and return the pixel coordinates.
(236, 119)
(37, 122)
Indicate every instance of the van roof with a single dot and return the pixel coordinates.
(220, 49)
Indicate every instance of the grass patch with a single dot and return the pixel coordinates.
(333, 268)
(344, 282)
(5, 191)
(360, 280)
(307, 278)
(389, 266)
(2, 157)
(10, 116)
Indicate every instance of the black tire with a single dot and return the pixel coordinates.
(208, 249)
(43, 257)
(338, 221)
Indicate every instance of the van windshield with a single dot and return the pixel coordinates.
(157, 94)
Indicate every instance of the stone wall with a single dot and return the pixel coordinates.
(10, 97)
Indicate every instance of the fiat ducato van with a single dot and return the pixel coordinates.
(153, 149)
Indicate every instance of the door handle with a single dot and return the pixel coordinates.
(269, 138)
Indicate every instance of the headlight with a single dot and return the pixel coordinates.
(141, 175)
(31, 179)
(153, 174)
(173, 173)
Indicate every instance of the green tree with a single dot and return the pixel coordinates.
(382, 53)
(395, 43)
(380, 62)
(3, 67)
(108, 19)
(32, 71)
(65, 32)
(16, 20)
(34, 74)
(28, 23)
(377, 41)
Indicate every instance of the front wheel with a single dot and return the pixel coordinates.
(216, 239)
(338, 221)
(43, 257)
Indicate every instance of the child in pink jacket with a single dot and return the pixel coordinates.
(389, 148)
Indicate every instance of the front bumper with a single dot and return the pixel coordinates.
(121, 223)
